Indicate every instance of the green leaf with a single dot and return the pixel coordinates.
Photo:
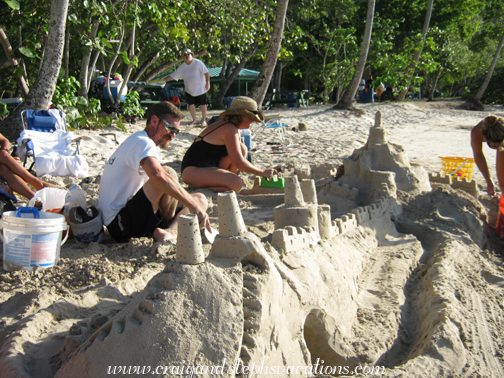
(27, 52)
(13, 4)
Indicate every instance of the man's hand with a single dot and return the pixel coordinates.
(207, 86)
(204, 220)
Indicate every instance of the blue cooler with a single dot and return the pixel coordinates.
(246, 137)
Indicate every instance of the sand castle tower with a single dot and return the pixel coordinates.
(296, 211)
(189, 246)
(380, 162)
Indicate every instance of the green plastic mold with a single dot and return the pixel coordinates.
(276, 182)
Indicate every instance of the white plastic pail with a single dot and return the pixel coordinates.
(88, 232)
(31, 239)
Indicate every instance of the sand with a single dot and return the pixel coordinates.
(419, 292)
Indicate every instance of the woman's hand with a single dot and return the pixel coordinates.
(269, 173)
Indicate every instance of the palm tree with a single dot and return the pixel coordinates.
(346, 100)
(475, 103)
(416, 56)
(258, 92)
(42, 90)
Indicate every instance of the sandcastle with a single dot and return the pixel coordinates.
(294, 305)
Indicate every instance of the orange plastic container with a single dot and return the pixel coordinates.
(499, 230)
(457, 166)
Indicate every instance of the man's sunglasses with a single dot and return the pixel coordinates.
(171, 129)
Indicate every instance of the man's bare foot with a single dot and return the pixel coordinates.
(204, 124)
(192, 123)
(161, 236)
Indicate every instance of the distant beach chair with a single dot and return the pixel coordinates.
(273, 122)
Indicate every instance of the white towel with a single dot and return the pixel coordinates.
(53, 153)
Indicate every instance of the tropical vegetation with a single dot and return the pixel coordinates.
(436, 47)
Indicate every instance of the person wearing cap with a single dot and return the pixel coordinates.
(490, 131)
(138, 196)
(196, 82)
(217, 155)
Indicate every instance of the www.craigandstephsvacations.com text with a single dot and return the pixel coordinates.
(188, 371)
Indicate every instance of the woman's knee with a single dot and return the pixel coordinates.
(235, 184)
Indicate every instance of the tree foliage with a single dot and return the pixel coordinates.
(319, 50)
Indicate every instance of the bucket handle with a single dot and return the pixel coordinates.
(66, 235)
(28, 210)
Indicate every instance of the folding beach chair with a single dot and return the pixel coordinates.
(45, 138)
(273, 122)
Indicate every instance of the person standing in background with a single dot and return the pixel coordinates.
(196, 82)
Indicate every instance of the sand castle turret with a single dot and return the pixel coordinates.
(189, 246)
(230, 217)
(295, 212)
(234, 241)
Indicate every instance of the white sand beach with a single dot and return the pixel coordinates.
(420, 292)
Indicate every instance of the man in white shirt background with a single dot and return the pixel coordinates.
(196, 82)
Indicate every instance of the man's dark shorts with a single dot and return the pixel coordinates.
(196, 100)
(135, 220)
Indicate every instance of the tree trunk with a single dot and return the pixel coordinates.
(258, 92)
(66, 55)
(42, 90)
(346, 101)
(10, 55)
(131, 55)
(490, 72)
(416, 56)
(228, 80)
(475, 103)
(163, 67)
(149, 62)
(83, 77)
(432, 89)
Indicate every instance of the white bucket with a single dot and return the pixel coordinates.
(31, 239)
(89, 232)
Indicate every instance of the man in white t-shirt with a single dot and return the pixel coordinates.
(138, 196)
(197, 84)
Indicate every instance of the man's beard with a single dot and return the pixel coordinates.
(165, 143)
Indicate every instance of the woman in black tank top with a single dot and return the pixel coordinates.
(217, 155)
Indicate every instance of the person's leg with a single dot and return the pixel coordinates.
(225, 162)
(170, 233)
(17, 169)
(215, 179)
(203, 114)
(168, 206)
(192, 110)
(15, 182)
